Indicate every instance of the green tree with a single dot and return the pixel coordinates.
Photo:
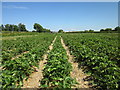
(102, 30)
(11, 28)
(22, 27)
(2, 28)
(117, 29)
(46, 30)
(108, 30)
(7, 26)
(91, 31)
(38, 27)
(60, 31)
(86, 31)
(16, 28)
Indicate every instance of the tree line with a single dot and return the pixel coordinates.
(22, 28)
(9, 27)
(107, 30)
(110, 30)
(39, 28)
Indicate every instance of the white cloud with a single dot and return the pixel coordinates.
(73, 29)
(14, 7)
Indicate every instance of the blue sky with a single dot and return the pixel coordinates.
(69, 16)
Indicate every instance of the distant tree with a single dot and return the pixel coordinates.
(46, 30)
(108, 29)
(2, 28)
(22, 27)
(60, 31)
(11, 27)
(102, 30)
(86, 31)
(38, 27)
(19, 26)
(16, 28)
(91, 30)
(117, 29)
(7, 26)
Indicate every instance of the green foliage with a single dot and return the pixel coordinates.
(88, 31)
(57, 70)
(109, 30)
(60, 31)
(2, 27)
(46, 30)
(38, 27)
(91, 30)
(21, 27)
(100, 54)
(10, 34)
(117, 29)
(10, 27)
(15, 70)
(7, 27)
(15, 28)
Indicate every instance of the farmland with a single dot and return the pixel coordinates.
(97, 55)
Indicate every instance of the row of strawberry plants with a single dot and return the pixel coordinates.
(12, 48)
(100, 56)
(57, 70)
(14, 71)
(9, 33)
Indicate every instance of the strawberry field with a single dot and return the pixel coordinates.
(97, 54)
(20, 55)
(57, 70)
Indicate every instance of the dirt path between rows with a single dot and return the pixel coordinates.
(17, 56)
(34, 78)
(76, 73)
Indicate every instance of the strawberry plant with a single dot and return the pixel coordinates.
(57, 70)
(100, 54)
(15, 70)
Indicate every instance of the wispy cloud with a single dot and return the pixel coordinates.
(72, 29)
(14, 7)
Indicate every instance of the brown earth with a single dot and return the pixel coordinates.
(76, 73)
(13, 58)
(35, 77)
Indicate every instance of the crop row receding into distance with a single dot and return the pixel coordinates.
(47, 61)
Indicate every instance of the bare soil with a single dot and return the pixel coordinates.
(34, 79)
(76, 73)
(19, 55)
